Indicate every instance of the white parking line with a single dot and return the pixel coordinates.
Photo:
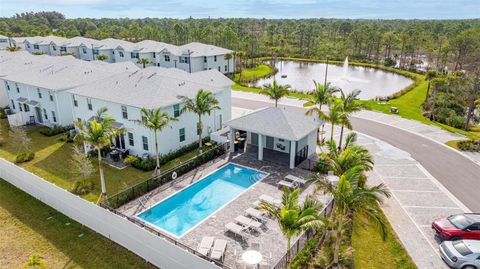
(430, 207)
(388, 177)
(415, 191)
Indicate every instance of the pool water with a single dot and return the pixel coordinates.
(184, 210)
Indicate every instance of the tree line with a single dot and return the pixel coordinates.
(452, 42)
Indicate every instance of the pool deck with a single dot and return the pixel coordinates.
(272, 243)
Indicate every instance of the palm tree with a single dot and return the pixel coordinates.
(349, 106)
(144, 62)
(431, 74)
(227, 58)
(334, 116)
(99, 133)
(350, 157)
(102, 57)
(293, 217)
(351, 200)
(203, 103)
(323, 94)
(155, 120)
(275, 91)
(240, 54)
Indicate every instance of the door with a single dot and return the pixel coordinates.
(120, 141)
(254, 139)
(269, 143)
(39, 114)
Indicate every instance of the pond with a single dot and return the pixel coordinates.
(372, 82)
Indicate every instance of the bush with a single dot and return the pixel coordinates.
(56, 129)
(82, 186)
(322, 165)
(469, 145)
(390, 62)
(303, 258)
(144, 164)
(24, 157)
(130, 159)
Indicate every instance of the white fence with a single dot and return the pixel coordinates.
(152, 248)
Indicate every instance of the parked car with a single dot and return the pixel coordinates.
(457, 227)
(461, 254)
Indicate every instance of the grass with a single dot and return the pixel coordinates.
(29, 226)
(251, 74)
(372, 252)
(52, 162)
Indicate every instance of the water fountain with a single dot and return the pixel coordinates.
(345, 68)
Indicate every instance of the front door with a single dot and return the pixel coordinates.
(120, 141)
(38, 111)
(269, 144)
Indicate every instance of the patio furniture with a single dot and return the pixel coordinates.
(218, 250)
(257, 214)
(269, 199)
(288, 184)
(115, 155)
(249, 223)
(236, 230)
(293, 178)
(205, 245)
(252, 257)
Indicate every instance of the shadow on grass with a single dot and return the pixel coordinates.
(90, 250)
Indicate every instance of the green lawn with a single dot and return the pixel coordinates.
(28, 226)
(372, 252)
(52, 162)
(260, 71)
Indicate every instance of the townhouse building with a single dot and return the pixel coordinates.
(125, 94)
(5, 42)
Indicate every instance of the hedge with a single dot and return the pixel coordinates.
(469, 145)
(55, 130)
(24, 157)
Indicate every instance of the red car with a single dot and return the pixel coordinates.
(457, 227)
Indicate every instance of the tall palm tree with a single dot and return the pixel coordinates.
(351, 200)
(275, 91)
(98, 133)
(144, 62)
(334, 116)
(431, 74)
(293, 217)
(155, 120)
(350, 157)
(227, 58)
(240, 54)
(323, 94)
(349, 106)
(203, 103)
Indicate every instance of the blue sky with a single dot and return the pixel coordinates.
(370, 9)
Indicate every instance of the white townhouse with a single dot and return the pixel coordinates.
(38, 94)
(192, 57)
(154, 87)
(5, 42)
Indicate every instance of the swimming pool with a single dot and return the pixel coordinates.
(187, 208)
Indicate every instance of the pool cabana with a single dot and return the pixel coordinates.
(287, 136)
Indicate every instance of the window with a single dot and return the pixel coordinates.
(181, 134)
(167, 58)
(215, 58)
(13, 104)
(218, 69)
(158, 64)
(145, 142)
(176, 110)
(134, 55)
(130, 139)
(120, 53)
(124, 112)
(18, 89)
(54, 117)
(84, 50)
(26, 108)
(63, 49)
(28, 45)
(45, 115)
(89, 104)
(8, 86)
(204, 59)
(20, 106)
(184, 60)
(51, 96)
(226, 68)
(36, 47)
(75, 102)
(54, 48)
(154, 55)
(39, 93)
(95, 52)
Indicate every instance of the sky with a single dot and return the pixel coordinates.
(355, 9)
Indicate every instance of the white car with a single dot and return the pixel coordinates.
(461, 254)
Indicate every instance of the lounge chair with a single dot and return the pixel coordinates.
(293, 178)
(267, 198)
(236, 230)
(205, 245)
(248, 222)
(257, 214)
(288, 184)
(218, 250)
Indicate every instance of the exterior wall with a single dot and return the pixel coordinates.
(310, 140)
(41, 48)
(126, 56)
(73, 50)
(219, 63)
(168, 139)
(4, 43)
(3, 94)
(54, 50)
(85, 53)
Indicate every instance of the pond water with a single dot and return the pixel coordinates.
(372, 82)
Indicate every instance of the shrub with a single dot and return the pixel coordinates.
(24, 157)
(322, 165)
(303, 258)
(144, 164)
(82, 186)
(130, 159)
(56, 129)
(469, 145)
(390, 62)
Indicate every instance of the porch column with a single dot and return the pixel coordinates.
(260, 147)
(293, 150)
(232, 139)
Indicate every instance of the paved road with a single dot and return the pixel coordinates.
(458, 174)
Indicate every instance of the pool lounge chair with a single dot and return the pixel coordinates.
(218, 250)
(249, 223)
(293, 178)
(205, 245)
(288, 184)
(256, 214)
(267, 198)
(236, 230)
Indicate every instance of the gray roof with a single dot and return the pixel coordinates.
(153, 87)
(277, 122)
(199, 49)
(68, 73)
(19, 61)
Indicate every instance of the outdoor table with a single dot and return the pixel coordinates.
(252, 257)
(115, 155)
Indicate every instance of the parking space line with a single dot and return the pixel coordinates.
(415, 191)
(431, 207)
(388, 177)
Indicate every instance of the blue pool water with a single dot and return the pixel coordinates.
(185, 209)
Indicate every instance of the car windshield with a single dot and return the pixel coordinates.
(462, 248)
(460, 221)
